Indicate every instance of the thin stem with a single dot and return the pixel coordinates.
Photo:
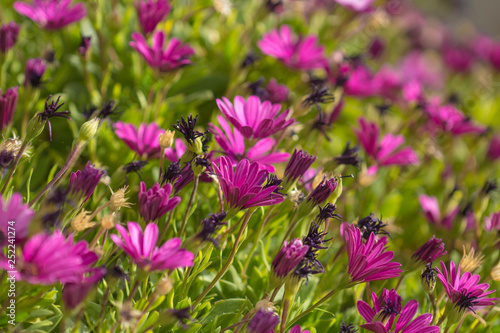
(228, 262)
(14, 165)
(167, 224)
(284, 314)
(434, 306)
(236, 325)
(400, 280)
(443, 317)
(314, 306)
(103, 306)
(75, 153)
(275, 293)
(190, 203)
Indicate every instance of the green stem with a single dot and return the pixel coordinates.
(284, 314)
(190, 203)
(14, 165)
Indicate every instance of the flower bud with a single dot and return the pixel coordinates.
(35, 128)
(196, 146)
(428, 278)
(88, 130)
(164, 286)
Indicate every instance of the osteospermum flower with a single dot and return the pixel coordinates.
(51, 258)
(163, 59)
(18, 214)
(151, 12)
(288, 257)
(8, 36)
(356, 5)
(51, 14)
(156, 201)
(463, 290)
(73, 294)
(448, 118)
(264, 321)
(301, 53)
(370, 260)
(242, 185)
(142, 140)
(430, 206)
(493, 152)
(253, 118)
(431, 251)
(83, 182)
(233, 145)
(8, 102)
(384, 150)
(297, 329)
(142, 249)
(174, 154)
(35, 68)
(297, 166)
(386, 308)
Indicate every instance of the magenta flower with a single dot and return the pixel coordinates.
(243, 186)
(253, 118)
(377, 48)
(264, 321)
(416, 66)
(174, 154)
(297, 329)
(430, 251)
(233, 145)
(145, 254)
(14, 210)
(50, 258)
(449, 119)
(387, 308)
(173, 56)
(493, 152)
(150, 13)
(73, 294)
(430, 207)
(356, 5)
(297, 166)
(492, 222)
(288, 257)
(8, 102)
(301, 53)
(155, 202)
(275, 92)
(35, 68)
(413, 92)
(359, 82)
(83, 182)
(464, 290)
(386, 82)
(370, 260)
(142, 140)
(51, 14)
(459, 59)
(383, 151)
(8, 36)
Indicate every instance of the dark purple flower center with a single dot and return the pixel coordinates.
(349, 156)
(467, 302)
(372, 225)
(186, 128)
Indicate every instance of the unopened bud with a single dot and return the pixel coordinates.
(88, 130)
(196, 146)
(164, 286)
(35, 128)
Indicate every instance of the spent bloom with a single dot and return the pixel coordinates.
(142, 140)
(253, 118)
(464, 290)
(162, 58)
(430, 206)
(8, 36)
(156, 201)
(370, 260)
(35, 68)
(51, 14)
(288, 257)
(384, 150)
(301, 53)
(142, 249)
(14, 210)
(83, 182)
(298, 164)
(150, 13)
(50, 258)
(233, 145)
(8, 102)
(243, 185)
(431, 251)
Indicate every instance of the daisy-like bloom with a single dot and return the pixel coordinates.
(356, 5)
(347, 328)
(264, 321)
(156, 202)
(416, 66)
(8, 36)
(174, 154)
(51, 14)
(243, 185)
(301, 53)
(253, 118)
(447, 118)
(142, 140)
(430, 206)
(297, 329)
(14, 210)
(288, 257)
(387, 82)
(233, 145)
(297, 166)
(275, 92)
(372, 225)
(463, 290)
(493, 152)
(386, 308)
(35, 68)
(73, 294)
(151, 12)
(412, 91)
(163, 59)
(8, 102)
(458, 58)
(370, 260)
(142, 249)
(430, 251)
(50, 258)
(384, 150)
(83, 182)
(359, 82)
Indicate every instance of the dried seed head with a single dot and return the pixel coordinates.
(495, 272)
(118, 200)
(109, 221)
(472, 260)
(166, 139)
(82, 221)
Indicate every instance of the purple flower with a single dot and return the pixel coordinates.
(359, 82)
(73, 294)
(289, 257)
(151, 12)
(264, 321)
(145, 254)
(173, 56)
(413, 92)
(297, 329)
(386, 82)
(50, 258)
(301, 53)
(430, 207)
(276, 93)
(8, 102)
(492, 222)
(297, 166)
(83, 182)
(84, 47)
(51, 14)
(370, 260)
(17, 212)
(35, 68)
(142, 140)
(376, 48)
(155, 202)
(464, 290)
(430, 251)
(356, 5)
(233, 145)
(322, 192)
(449, 119)
(243, 186)
(416, 66)
(253, 118)
(459, 59)
(175, 154)
(383, 151)
(493, 152)
(382, 316)
(8, 36)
